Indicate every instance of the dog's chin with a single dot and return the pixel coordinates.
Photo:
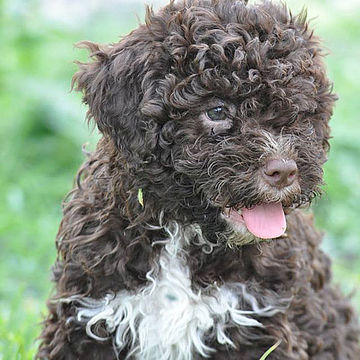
(237, 234)
(262, 222)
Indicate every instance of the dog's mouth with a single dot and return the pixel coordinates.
(264, 221)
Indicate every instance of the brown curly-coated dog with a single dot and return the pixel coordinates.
(214, 116)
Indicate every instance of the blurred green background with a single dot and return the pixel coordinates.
(42, 130)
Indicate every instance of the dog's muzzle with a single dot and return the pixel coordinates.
(266, 220)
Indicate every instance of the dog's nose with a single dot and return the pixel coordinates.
(280, 172)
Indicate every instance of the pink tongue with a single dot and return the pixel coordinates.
(265, 221)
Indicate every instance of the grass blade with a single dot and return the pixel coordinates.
(270, 350)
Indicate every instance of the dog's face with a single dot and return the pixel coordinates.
(220, 109)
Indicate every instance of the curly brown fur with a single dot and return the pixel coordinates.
(148, 95)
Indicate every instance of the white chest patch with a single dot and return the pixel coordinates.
(167, 319)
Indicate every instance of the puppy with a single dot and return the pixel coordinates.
(184, 237)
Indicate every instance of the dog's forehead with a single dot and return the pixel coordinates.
(225, 31)
(238, 49)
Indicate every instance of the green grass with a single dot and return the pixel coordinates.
(270, 350)
(42, 130)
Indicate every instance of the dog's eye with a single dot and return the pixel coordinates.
(216, 114)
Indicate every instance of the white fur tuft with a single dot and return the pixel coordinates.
(168, 319)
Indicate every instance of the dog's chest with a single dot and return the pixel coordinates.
(170, 319)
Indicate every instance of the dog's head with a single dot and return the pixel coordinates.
(220, 109)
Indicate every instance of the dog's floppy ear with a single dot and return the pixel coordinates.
(120, 86)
